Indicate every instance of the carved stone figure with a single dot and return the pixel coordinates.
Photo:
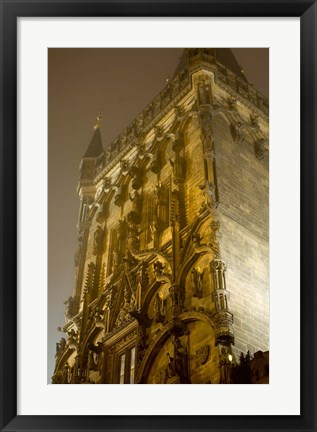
(98, 237)
(60, 347)
(170, 368)
(154, 230)
(159, 308)
(197, 282)
(115, 260)
(161, 376)
(136, 174)
(204, 93)
(260, 149)
(180, 358)
(209, 191)
(201, 355)
(119, 197)
(99, 318)
(158, 268)
(225, 366)
(72, 337)
(174, 293)
(65, 373)
(156, 163)
(70, 310)
(135, 215)
(179, 168)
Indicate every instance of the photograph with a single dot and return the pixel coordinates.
(158, 195)
(158, 216)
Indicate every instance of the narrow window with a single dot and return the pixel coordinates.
(111, 248)
(122, 367)
(132, 365)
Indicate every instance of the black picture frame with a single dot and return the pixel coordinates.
(10, 11)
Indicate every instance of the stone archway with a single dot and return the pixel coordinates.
(204, 350)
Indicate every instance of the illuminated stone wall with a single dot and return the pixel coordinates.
(172, 262)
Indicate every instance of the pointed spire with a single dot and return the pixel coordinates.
(95, 147)
(224, 56)
(99, 117)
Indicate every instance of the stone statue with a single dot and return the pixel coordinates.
(60, 347)
(225, 366)
(197, 283)
(70, 307)
(174, 294)
(159, 308)
(98, 240)
(180, 358)
(72, 337)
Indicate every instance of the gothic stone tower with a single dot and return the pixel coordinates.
(172, 261)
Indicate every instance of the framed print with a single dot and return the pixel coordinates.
(195, 241)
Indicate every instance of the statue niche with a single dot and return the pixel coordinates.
(159, 308)
(98, 241)
(197, 282)
(178, 365)
(135, 214)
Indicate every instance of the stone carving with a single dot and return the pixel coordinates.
(107, 183)
(133, 237)
(158, 268)
(206, 129)
(159, 308)
(232, 103)
(137, 177)
(154, 228)
(222, 318)
(128, 305)
(135, 215)
(260, 148)
(119, 197)
(201, 355)
(161, 376)
(99, 316)
(71, 307)
(96, 356)
(174, 294)
(156, 162)
(60, 347)
(72, 339)
(90, 277)
(236, 132)
(214, 238)
(196, 239)
(209, 191)
(98, 241)
(225, 365)
(103, 213)
(66, 374)
(204, 93)
(178, 365)
(197, 282)
(179, 164)
(124, 166)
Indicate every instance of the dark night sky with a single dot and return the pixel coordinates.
(119, 82)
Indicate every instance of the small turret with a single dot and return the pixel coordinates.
(86, 188)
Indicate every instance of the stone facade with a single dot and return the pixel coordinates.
(172, 278)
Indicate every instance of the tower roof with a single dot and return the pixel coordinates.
(226, 57)
(222, 55)
(95, 147)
